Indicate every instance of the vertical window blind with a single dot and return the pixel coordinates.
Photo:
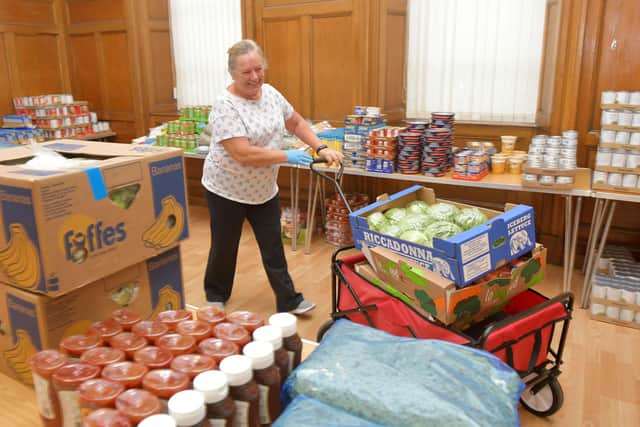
(202, 31)
(480, 59)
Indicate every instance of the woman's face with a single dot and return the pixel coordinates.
(248, 75)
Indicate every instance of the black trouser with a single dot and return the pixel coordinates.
(227, 217)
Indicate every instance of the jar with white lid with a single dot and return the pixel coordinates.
(555, 141)
(609, 117)
(614, 179)
(635, 120)
(569, 142)
(539, 139)
(608, 97)
(536, 149)
(622, 137)
(535, 158)
(607, 136)
(570, 134)
(566, 163)
(599, 177)
(619, 158)
(625, 117)
(629, 180)
(633, 159)
(634, 139)
(603, 156)
(622, 97)
(568, 152)
(634, 98)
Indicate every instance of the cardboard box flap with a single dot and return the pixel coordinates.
(104, 149)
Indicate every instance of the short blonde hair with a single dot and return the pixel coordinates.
(243, 47)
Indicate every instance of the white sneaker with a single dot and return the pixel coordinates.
(304, 307)
(216, 304)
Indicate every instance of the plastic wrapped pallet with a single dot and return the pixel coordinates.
(399, 381)
(309, 412)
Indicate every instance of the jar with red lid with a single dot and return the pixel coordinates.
(171, 318)
(211, 314)
(177, 344)
(138, 404)
(193, 364)
(66, 381)
(196, 328)
(150, 329)
(217, 348)
(128, 342)
(74, 345)
(232, 332)
(126, 318)
(43, 364)
(129, 374)
(102, 356)
(98, 393)
(106, 329)
(247, 319)
(106, 417)
(153, 357)
(164, 383)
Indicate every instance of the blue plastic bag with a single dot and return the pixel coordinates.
(308, 412)
(397, 381)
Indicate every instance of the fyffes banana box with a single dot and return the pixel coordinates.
(433, 295)
(74, 210)
(31, 322)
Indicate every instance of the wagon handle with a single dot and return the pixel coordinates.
(335, 181)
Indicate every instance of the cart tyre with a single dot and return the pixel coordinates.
(546, 402)
(323, 329)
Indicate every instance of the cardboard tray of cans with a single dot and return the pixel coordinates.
(615, 188)
(620, 305)
(549, 172)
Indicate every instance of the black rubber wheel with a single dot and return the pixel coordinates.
(323, 329)
(545, 402)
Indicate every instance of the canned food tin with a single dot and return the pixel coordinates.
(539, 139)
(622, 97)
(635, 138)
(603, 157)
(635, 120)
(568, 152)
(607, 136)
(599, 177)
(570, 134)
(629, 180)
(530, 177)
(535, 158)
(552, 151)
(531, 164)
(625, 118)
(566, 163)
(569, 142)
(633, 159)
(609, 117)
(608, 97)
(622, 137)
(564, 180)
(547, 179)
(536, 149)
(555, 141)
(614, 179)
(619, 158)
(550, 158)
(634, 98)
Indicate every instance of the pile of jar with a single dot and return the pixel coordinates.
(621, 117)
(172, 371)
(552, 152)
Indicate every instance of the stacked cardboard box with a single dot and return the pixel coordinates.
(80, 242)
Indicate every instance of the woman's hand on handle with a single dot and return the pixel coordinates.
(331, 156)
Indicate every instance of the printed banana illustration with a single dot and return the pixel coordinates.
(169, 300)
(167, 227)
(19, 259)
(20, 354)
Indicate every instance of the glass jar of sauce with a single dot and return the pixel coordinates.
(232, 332)
(126, 318)
(43, 364)
(177, 344)
(217, 348)
(247, 319)
(107, 417)
(129, 374)
(164, 383)
(106, 329)
(98, 393)
(273, 335)
(267, 376)
(211, 314)
(188, 410)
(138, 404)
(74, 345)
(102, 356)
(196, 328)
(215, 389)
(193, 364)
(243, 389)
(153, 357)
(288, 324)
(171, 318)
(150, 329)
(66, 381)
(128, 342)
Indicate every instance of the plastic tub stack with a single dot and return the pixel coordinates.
(357, 127)
(19, 129)
(382, 150)
(215, 368)
(551, 161)
(437, 156)
(615, 292)
(337, 226)
(60, 116)
(183, 133)
(618, 158)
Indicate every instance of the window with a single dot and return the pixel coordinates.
(481, 59)
(202, 31)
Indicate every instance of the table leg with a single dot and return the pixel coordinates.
(594, 262)
(591, 233)
(309, 232)
(601, 206)
(567, 241)
(574, 240)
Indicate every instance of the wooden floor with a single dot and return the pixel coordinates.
(600, 377)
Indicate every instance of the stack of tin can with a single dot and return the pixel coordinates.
(437, 157)
(382, 147)
(552, 152)
(410, 144)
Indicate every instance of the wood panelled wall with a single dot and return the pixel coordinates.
(116, 54)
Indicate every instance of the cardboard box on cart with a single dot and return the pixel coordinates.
(464, 257)
(30, 322)
(63, 228)
(433, 295)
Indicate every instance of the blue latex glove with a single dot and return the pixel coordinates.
(298, 157)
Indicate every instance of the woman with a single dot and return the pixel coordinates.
(240, 175)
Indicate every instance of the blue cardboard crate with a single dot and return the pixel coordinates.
(462, 258)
